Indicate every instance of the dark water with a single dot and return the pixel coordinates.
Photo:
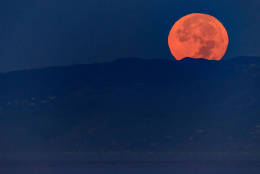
(37, 170)
(131, 168)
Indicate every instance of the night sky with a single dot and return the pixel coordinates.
(41, 33)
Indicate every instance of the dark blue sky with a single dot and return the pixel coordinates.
(40, 33)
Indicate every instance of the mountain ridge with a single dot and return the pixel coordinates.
(133, 105)
(136, 59)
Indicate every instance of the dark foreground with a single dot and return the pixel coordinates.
(133, 167)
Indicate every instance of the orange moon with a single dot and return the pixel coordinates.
(198, 35)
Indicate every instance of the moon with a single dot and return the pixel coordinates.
(198, 35)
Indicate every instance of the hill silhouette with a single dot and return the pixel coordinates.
(133, 105)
